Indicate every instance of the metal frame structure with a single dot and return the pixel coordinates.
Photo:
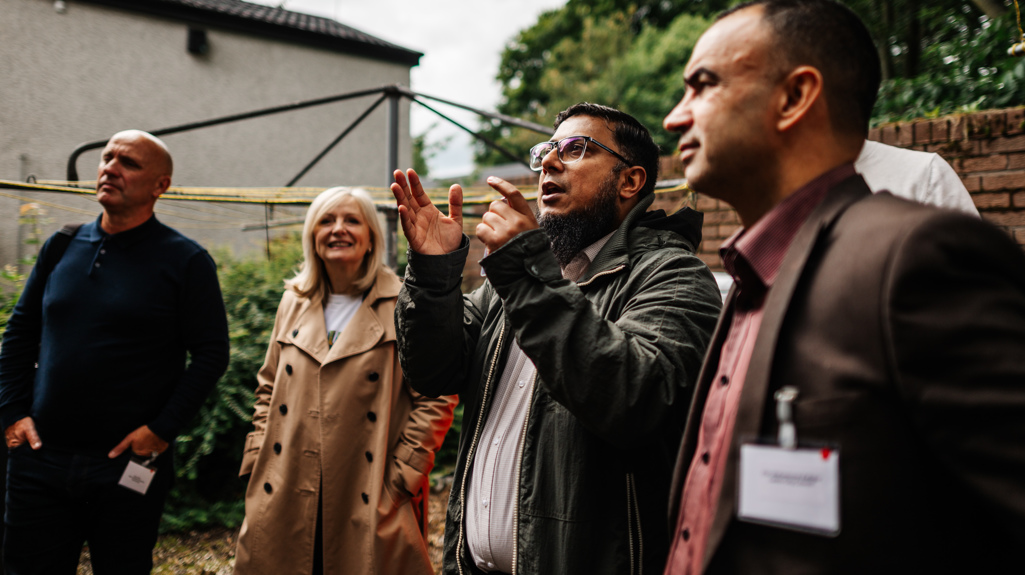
(392, 93)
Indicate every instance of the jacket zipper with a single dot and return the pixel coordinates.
(519, 466)
(600, 274)
(633, 511)
(469, 456)
(519, 475)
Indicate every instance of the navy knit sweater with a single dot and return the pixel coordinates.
(111, 329)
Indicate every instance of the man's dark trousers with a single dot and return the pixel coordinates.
(56, 500)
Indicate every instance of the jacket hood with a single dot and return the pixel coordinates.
(643, 227)
(685, 222)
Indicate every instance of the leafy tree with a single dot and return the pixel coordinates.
(945, 57)
(628, 57)
(938, 56)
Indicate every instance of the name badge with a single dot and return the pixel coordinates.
(795, 489)
(138, 476)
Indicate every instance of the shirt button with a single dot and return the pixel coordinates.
(97, 264)
(685, 534)
(521, 382)
(484, 502)
(491, 565)
(103, 252)
(496, 441)
(724, 380)
(705, 457)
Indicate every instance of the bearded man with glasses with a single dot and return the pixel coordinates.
(575, 360)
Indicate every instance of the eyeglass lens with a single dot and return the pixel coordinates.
(570, 150)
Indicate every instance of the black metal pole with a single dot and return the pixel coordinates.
(391, 217)
(487, 141)
(72, 171)
(334, 142)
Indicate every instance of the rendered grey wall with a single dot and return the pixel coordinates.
(81, 75)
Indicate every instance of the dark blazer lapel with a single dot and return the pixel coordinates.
(756, 382)
(697, 406)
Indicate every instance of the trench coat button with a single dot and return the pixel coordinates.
(370, 457)
(366, 498)
(267, 487)
(295, 332)
(373, 376)
(277, 448)
(288, 369)
(283, 409)
(371, 416)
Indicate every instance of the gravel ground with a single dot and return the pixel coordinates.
(213, 552)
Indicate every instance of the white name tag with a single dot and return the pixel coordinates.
(791, 488)
(137, 477)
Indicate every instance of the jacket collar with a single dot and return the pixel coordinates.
(365, 330)
(756, 381)
(616, 254)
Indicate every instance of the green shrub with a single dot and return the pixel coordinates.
(208, 491)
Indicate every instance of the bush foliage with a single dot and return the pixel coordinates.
(208, 491)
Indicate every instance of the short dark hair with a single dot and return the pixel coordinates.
(632, 138)
(832, 38)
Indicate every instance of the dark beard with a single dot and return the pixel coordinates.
(571, 233)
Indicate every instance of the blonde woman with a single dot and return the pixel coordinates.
(341, 447)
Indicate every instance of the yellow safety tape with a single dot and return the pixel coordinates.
(381, 196)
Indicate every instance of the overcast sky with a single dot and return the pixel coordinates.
(462, 41)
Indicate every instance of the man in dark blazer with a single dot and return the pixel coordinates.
(862, 405)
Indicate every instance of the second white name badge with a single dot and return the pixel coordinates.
(790, 488)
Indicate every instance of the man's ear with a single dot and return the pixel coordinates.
(631, 182)
(801, 89)
(163, 183)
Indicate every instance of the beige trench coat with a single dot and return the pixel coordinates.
(340, 418)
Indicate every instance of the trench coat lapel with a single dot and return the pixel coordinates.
(756, 383)
(309, 332)
(365, 329)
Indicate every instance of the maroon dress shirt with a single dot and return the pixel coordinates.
(752, 256)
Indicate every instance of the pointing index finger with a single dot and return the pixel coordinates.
(512, 195)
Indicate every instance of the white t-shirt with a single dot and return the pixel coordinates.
(338, 310)
(913, 175)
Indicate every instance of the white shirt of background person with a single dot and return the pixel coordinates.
(918, 176)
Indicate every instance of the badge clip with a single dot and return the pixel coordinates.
(785, 414)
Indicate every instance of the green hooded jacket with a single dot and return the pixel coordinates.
(616, 354)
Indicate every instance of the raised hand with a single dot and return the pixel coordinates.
(427, 230)
(506, 218)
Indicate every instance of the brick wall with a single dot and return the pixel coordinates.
(987, 149)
